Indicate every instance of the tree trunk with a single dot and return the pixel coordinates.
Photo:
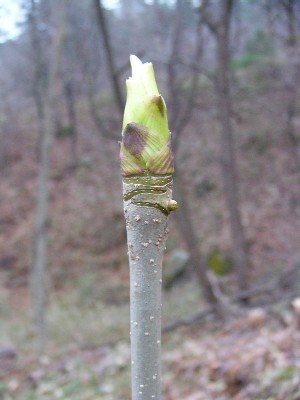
(187, 231)
(2, 148)
(72, 117)
(174, 95)
(290, 76)
(290, 10)
(40, 237)
(270, 14)
(180, 116)
(228, 161)
(39, 73)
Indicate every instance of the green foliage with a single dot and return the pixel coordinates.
(2, 388)
(280, 383)
(175, 267)
(218, 262)
(259, 51)
(204, 186)
(259, 141)
(260, 44)
(80, 381)
(245, 61)
(64, 131)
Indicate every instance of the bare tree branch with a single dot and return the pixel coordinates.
(174, 104)
(40, 237)
(112, 70)
(193, 90)
(207, 17)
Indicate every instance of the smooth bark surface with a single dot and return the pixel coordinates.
(146, 236)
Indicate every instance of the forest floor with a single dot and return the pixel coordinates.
(252, 354)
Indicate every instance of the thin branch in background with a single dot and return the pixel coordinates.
(180, 118)
(40, 69)
(174, 101)
(90, 77)
(207, 16)
(193, 89)
(281, 289)
(112, 69)
(39, 271)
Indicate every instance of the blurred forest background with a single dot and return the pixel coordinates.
(229, 71)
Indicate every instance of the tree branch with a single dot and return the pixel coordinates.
(208, 18)
(102, 24)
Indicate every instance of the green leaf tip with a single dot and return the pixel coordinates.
(146, 140)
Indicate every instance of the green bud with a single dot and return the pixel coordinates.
(146, 140)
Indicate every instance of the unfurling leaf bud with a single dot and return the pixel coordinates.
(146, 140)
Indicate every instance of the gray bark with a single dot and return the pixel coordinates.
(39, 70)
(146, 235)
(221, 30)
(228, 157)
